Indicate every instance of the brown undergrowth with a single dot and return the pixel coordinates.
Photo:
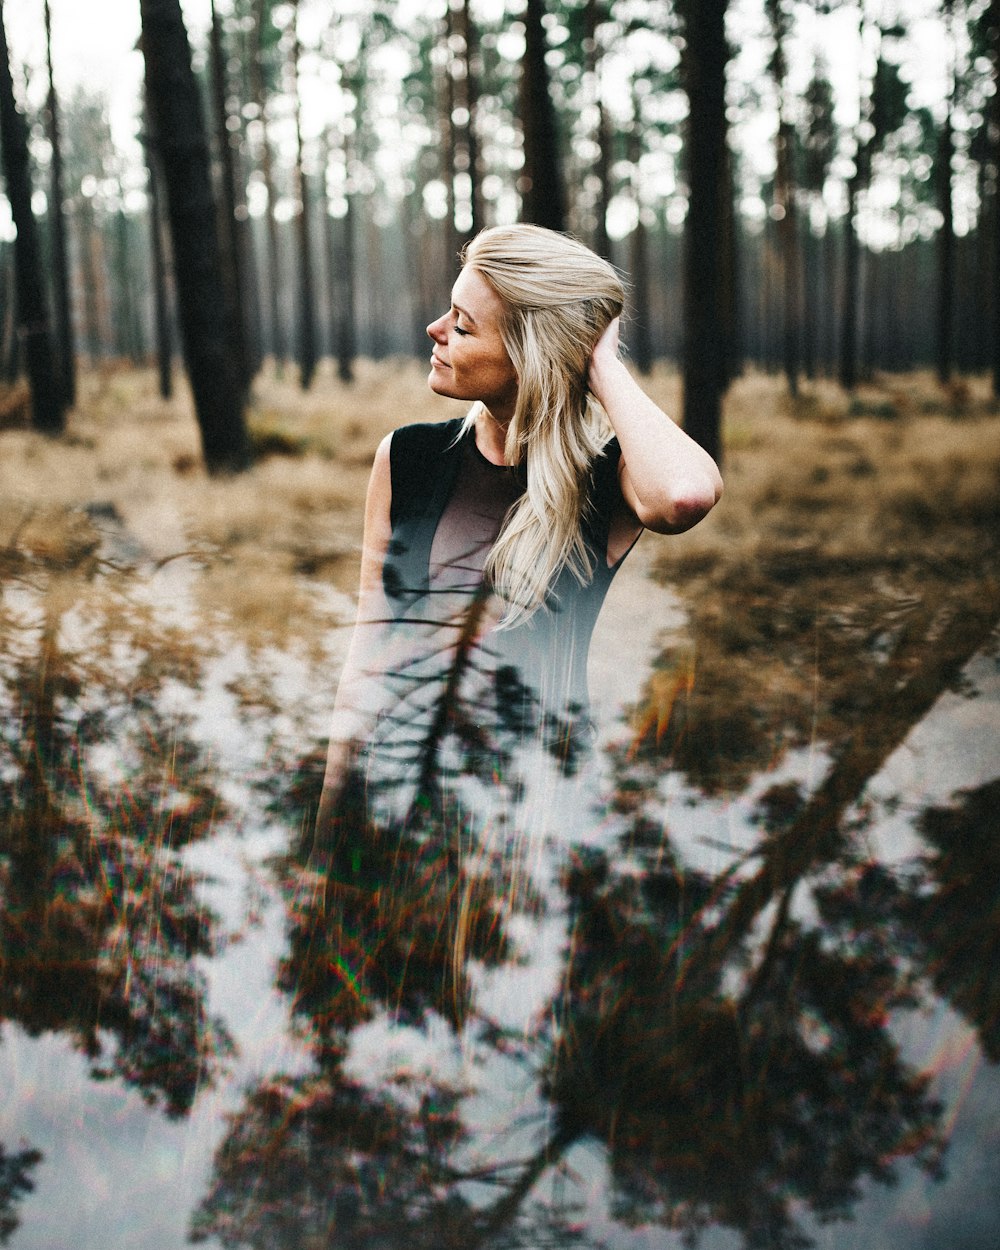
(848, 524)
(853, 531)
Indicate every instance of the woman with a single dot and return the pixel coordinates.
(490, 542)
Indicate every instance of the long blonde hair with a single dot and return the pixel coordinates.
(558, 298)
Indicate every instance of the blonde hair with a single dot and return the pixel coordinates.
(558, 298)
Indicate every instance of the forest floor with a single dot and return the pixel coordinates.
(840, 514)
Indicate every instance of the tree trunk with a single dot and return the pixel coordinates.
(125, 314)
(465, 28)
(784, 196)
(594, 14)
(993, 28)
(48, 410)
(849, 306)
(945, 244)
(306, 295)
(278, 338)
(179, 127)
(340, 277)
(707, 248)
(543, 200)
(65, 336)
(233, 277)
(161, 302)
(445, 98)
(788, 236)
(641, 341)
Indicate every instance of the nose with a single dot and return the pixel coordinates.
(436, 329)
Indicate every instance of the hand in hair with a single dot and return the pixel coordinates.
(667, 480)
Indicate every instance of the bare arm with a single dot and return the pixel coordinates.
(360, 690)
(667, 480)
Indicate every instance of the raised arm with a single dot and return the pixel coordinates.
(667, 480)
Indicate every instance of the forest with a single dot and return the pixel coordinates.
(301, 178)
(733, 985)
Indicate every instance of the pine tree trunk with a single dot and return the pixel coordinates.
(128, 332)
(543, 201)
(65, 335)
(593, 16)
(706, 248)
(34, 328)
(278, 338)
(161, 301)
(465, 28)
(308, 346)
(849, 307)
(233, 278)
(993, 18)
(179, 126)
(640, 340)
(788, 237)
(945, 248)
(447, 144)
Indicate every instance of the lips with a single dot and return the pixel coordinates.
(438, 364)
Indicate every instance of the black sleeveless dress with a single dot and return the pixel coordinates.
(463, 697)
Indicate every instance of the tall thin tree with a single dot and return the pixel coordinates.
(708, 227)
(179, 129)
(992, 24)
(785, 202)
(263, 32)
(230, 242)
(308, 346)
(34, 327)
(65, 333)
(543, 199)
(162, 327)
(945, 326)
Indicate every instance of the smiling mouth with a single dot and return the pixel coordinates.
(438, 364)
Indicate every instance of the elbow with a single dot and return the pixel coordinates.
(683, 507)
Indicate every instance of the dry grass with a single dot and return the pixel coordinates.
(843, 532)
(257, 535)
(831, 500)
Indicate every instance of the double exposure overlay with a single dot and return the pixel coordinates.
(723, 976)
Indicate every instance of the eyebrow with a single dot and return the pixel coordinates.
(467, 315)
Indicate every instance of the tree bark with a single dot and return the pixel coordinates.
(993, 20)
(161, 302)
(307, 352)
(65, 335)
(34, 329)
(707, 247)
(179, 127)
(594, 14)
(946, 234)
(543, 200)
(465, 28)
(641, 339)
(278, 338)
(234, 280)
(849, 306)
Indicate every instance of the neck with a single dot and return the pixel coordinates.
(491, 434)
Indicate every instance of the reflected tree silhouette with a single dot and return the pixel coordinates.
(100, 921)
(385, 913)
(731, 1092)
(15, 1182)
(314, 1157)
(726, 1039)
(398, 910)
(940, 911)
(803, 644)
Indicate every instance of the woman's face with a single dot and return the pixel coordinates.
(469, 360)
